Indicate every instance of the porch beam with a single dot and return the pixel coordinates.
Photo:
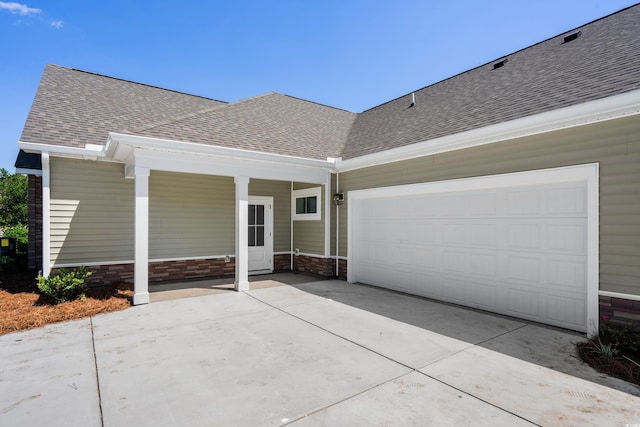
(242, 233)
(141, 256)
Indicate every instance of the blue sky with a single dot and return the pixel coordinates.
(350, 54)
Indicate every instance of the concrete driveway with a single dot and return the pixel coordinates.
(316, 353)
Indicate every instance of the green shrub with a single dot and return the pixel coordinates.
(65, 285)
(6, 264)
(21, 235)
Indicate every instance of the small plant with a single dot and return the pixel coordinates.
(614, 351)
(608, 351)
(65, 285)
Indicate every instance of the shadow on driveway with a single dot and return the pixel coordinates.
(532, 342)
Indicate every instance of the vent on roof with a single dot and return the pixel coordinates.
(572, 37)
(500, 64)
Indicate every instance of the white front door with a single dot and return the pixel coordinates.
(260, 235)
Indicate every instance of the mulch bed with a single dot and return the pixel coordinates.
(618, 366)
(22, 307)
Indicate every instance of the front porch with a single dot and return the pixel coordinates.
(196, 288)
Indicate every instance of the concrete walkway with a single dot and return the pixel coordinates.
(318, 353)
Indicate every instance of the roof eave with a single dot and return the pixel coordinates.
(613, 107)
(116, 139)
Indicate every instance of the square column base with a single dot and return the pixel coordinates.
(241, 286)
(141, 298)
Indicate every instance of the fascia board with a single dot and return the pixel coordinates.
(211, 150)
(23, 171)
(610, 108)
(182, 162)
(32, 147)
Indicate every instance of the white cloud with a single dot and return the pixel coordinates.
(19, 9)
(57, 24)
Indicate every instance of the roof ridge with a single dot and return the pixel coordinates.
(316, 103)
(502, 57)
(177, 119)
(134, 82)
(197, 113)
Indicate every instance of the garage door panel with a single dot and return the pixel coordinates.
(484, 294)
(524, 268)
(567, 272)
(522, 203)
(484, 234)
(453, 288)
(484, 264)
(566, 201)
(453, 234)
(566, 311)
(453, 261)
(523, 235)
(523, 302)
(423, 258)
(453, 205)
(570, 237)
(483, 205)
(518, 250)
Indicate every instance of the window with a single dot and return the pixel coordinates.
(306, 204)
(256, 225)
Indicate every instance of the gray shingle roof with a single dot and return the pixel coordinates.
(603, 61)
(271, 123)
(73, 108)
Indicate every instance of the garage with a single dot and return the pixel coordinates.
(521, 244)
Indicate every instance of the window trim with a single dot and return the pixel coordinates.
(307, 192)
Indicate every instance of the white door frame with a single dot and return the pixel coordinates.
(267, 267)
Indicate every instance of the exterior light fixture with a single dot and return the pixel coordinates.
(338, 198)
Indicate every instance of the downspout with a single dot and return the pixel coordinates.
(291, 226)
(337, 227)
(46, 215)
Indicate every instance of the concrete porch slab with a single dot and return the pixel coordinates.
(197, 288)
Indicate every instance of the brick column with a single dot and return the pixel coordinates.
(34, 250)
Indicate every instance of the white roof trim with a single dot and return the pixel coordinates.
(613, 107)
(210, 150)
(93, 152)
(24, 171)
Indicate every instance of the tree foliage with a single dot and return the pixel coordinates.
(14, 200)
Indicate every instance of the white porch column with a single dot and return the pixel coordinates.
(141, 257)
(242, 233)
(46, 215)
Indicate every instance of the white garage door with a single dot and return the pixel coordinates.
(517, 244)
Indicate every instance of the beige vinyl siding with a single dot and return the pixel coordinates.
(92, 212)
(281, 193)
(614, 144)
(190, 215)
(308, 236)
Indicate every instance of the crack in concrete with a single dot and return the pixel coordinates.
(95, 363)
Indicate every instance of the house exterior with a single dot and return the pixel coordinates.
(513, 187)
